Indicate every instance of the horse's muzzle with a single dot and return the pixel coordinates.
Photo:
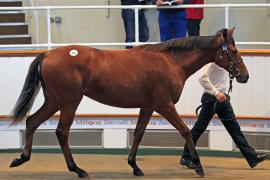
(242, 79)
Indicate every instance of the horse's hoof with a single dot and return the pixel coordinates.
(82, 174)
(138, 173)
(199, 171)
(16, 162)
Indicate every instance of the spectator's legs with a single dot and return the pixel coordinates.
(143, 27)
(193, 27)
(180, 24)
(165, 26)
(228, 119)
(129, 23)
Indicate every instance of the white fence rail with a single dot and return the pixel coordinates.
(136, 8)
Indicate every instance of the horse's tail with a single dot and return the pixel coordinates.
(30, 90)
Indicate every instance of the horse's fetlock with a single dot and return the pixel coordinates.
(24, 157)
(72, 167)
(131, 162)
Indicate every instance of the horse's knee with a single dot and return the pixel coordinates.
(135, 132)
(59, 133)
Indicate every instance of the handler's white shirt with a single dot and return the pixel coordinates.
(214, 79)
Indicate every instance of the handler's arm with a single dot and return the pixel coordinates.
(205, 81)
(207, 84)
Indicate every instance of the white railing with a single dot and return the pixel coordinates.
(136, 8)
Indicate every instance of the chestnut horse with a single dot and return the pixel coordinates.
(149, 77)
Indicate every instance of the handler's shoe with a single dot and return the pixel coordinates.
(259, 158)
(188, 163)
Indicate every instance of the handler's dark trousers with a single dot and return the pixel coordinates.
(225, 112)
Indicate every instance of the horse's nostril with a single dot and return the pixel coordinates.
(246, 78)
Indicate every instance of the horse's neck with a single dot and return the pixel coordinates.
(194, 60)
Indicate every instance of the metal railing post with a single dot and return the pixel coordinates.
(37, 22)
(49, 28)
(226, 16)
(136, 10)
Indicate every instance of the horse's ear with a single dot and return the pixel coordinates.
(230, 31)
(219, 39)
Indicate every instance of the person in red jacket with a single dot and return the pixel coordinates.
(194, 18)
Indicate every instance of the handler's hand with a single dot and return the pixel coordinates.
(221, 97)
(159, 2)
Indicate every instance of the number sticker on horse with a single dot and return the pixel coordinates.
(73, 52)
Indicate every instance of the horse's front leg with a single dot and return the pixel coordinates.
(32, 123)
(170, 113)
(144, 117)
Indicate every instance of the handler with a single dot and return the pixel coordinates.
(214, 80)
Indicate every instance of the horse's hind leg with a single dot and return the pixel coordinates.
(66, 118)
(144, 117)
(32, 123)
(170, 113)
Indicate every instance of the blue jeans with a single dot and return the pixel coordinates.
(172, 25)
(128, 16)
(225, 112)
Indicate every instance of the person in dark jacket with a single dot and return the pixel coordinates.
(128, 16)
(194, 18)
(172, 22)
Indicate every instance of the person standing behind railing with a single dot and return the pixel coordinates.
(128, 16)
(194, 18)
(172, 22)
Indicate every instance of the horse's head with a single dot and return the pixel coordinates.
(228, 57)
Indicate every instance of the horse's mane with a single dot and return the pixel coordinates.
(196, 42)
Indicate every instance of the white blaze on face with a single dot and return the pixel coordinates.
(73, 52)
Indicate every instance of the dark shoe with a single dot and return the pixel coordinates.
(188, 163)
(259, 158)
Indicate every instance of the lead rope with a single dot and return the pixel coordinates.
(231, 87)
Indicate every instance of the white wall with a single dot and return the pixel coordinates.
(252, 98)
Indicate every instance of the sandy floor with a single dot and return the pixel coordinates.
(105, 167)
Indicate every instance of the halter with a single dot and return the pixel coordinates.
(233, 72)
